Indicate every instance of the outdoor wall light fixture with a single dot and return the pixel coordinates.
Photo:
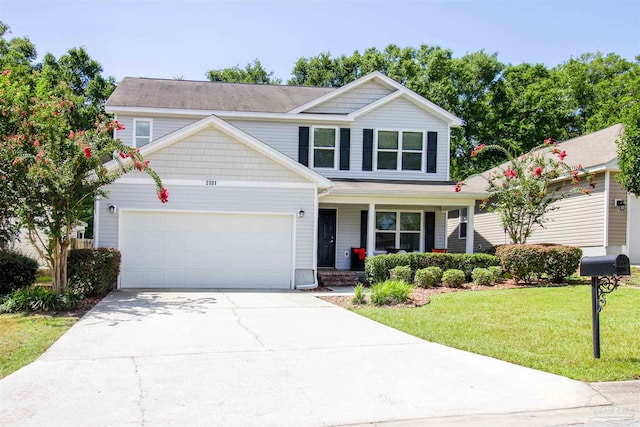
(301, 213)
(112, 208)
(621, 204)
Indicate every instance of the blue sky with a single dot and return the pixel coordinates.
(171, 38)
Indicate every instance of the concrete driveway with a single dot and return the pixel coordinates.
(269, 359)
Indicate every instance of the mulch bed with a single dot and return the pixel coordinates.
(421, 296)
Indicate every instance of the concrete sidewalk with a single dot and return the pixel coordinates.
(275, 359)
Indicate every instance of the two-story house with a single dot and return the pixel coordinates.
(269, 183)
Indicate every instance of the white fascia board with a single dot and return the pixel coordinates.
(184, 112)
(235, 133)
(342, 90)
(399, 199)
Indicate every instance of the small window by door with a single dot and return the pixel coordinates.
(462, 229)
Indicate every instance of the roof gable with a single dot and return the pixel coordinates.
(236, 134)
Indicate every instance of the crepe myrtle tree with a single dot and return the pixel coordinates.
(52, 169)
(524, 191)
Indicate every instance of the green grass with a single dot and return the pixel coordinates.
(543, 328)
(23, 338)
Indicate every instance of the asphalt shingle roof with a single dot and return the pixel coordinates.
(216, 96)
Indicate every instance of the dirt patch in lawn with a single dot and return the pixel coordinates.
(421, 296)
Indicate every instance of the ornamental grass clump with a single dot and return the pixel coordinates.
(390, 292)
(453, 278)
(428, 277)
(359, 296)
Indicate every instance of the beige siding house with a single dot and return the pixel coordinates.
(605, 222)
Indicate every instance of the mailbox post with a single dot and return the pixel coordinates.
(605, 272)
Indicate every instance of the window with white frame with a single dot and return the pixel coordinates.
(400, 230)
(324, 148)
(462, 230)
(141, 132)
(399, 150)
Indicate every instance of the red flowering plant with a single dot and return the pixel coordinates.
(50, 169)
(526, 188)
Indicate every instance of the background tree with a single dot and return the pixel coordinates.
(251, 73)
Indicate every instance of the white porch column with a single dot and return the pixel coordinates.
(470, 227)
(371, 229)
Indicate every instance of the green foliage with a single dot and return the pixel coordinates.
(390, 292)
(496, 271)
(359, 294)
(38, 299)
(401, 272)
(428, 277)
(561, 262)
(377, 267)
(17, 271)
(530, 262)
(453, 278)
(482, 276)
(93, 272)
(252, 73)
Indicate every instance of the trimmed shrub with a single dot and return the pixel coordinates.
(523, 262)
(37, 299)
(401, 272)
(18, 271)
(428, 277)
(93, 272)
(390, 292)
(482, 276)
(496, 271)
(561, 262)
(377, 267)
(453, 278)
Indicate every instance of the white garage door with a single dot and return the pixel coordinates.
(205, 250)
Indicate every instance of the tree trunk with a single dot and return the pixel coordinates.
(59, 270)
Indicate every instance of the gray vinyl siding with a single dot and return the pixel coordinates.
(399, 114)
(212, 155)
(578, 221)
(160, 127)
(617, 218)
(212, 199)
(353, 100)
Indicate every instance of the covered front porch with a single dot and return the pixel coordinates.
(383, 218)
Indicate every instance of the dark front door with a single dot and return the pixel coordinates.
(327, 238)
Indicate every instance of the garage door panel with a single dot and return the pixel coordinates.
(200, 250)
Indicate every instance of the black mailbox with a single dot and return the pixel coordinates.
(608, 265)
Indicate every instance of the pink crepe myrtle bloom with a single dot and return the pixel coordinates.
(458, 186)
(87, 152)
(538, 172)
(163, 195)
(562, 155)
(510, 173)
(477, 149)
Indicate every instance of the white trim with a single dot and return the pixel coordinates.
(316, 211)
(371, 230)
(96, 221)
(448, 150)
(293, 215)
(134, 143)
(199, 114)
(336, 142)
(208, 183)
(235, 133)
(607, 194)
(399, 150)
(470, 226)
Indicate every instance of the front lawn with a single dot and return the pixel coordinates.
(543, 328)
(24, 337)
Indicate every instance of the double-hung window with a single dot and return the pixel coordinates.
(400, 150)
(399, 230)
(324, 148)
(462, 230)
(141, 132)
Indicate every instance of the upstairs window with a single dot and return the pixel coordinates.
(399, 230)
(324, 148)
(399, 150)
(462, 230)
(141, 132)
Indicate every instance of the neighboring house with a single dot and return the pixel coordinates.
(605, 222)
(23, 245)
(269, 183)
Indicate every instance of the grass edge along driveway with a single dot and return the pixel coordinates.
(548, 329)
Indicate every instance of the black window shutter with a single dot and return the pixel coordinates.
(364, 221)
(432, 151)
(367, 149)
(345, 148)
(303, 145)
(429, 231)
